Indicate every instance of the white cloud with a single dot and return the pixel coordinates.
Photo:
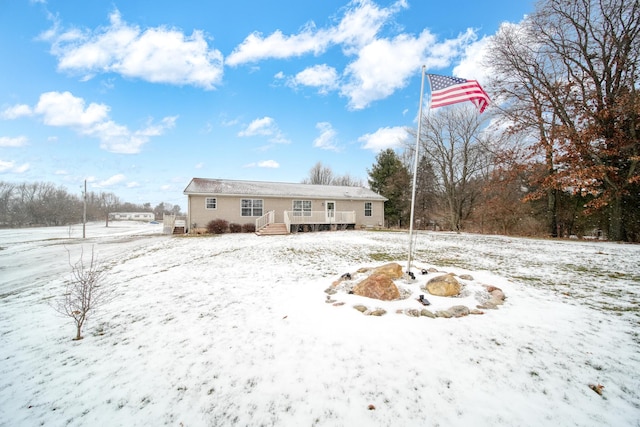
(324, 77)
(327, 138)
(11, 167)
(271, 164)
(66, 110)
(383, 138)
(361, 22)
(265, 126)
(111, 181)
(386, 65)
(381, 65)
(16, 111)
(133, 184)
(470, 66)
(277, 45)
(199, 165)
(262, 126)
(158, 55)
(19, 141)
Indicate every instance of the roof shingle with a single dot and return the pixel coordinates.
(204, 186)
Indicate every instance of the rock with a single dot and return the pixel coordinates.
(361, 308)
(487, 305)
(378, 286)
(443, 313)
(378, 312)
(338, 304)
(432, 270)
(497, 296)
(459, 311)
(412, 312)
(426, 313)
(393, 270)
(330, 291)
(475, 311)
(443, 286)
(466, 277)
(490, 288)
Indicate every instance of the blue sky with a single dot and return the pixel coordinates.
(138, 97)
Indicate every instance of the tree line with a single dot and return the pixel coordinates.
(557, 156)
(45, 204)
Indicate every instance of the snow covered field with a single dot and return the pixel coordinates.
(235, 330)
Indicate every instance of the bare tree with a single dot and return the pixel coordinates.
(347, 181)
(323, 175)
(570, 74)
(87, 290)
(319, 174)
(109, 202)
(451, 143)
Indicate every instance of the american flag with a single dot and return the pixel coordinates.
(447, 90)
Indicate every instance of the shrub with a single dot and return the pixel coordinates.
(249, 228)
(218, 226)
(235, 228)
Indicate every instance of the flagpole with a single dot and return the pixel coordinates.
(415, 171)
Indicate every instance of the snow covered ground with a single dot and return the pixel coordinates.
(235, 330)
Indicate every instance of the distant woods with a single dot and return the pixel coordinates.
(320, 174)
(44, 204)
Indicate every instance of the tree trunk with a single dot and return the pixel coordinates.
(552, 216)
(616, 232)
(78, 332)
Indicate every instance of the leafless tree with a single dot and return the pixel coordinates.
(347, 181)
(87, 290)
(451, 143)
(569, 76)
(323, 175)
(319, 174)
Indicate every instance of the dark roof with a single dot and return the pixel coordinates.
(203, 186)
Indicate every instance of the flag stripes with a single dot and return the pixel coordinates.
(447, 90)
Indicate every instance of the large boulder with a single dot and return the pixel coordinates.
(393, 270)
(378, 286)
(443, 286)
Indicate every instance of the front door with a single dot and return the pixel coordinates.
(330, 211)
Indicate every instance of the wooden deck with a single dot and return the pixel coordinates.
(296, 222)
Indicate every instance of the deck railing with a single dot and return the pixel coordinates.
(169, 222)
(309, 217)
(265, 220)
(320, 217)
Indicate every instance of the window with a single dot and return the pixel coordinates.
(211, 203)
(302, 208)
(368, 209)
(251, 207)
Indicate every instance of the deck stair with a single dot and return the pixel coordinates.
(273, 229)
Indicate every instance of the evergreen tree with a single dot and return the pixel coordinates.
(391, 179)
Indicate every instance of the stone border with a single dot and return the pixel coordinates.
(496, 299)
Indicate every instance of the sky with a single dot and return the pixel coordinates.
(139, 97)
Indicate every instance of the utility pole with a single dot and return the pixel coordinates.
(84, 210)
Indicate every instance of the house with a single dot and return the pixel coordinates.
(135, 216)
(286, 207)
